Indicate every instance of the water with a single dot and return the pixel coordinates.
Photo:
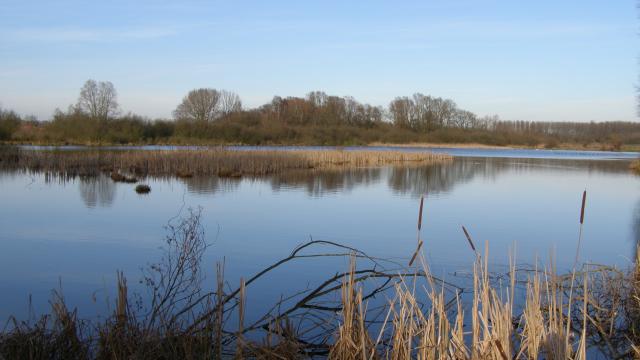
(463, 152)
(76, 233)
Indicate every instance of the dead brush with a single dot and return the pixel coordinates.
(59, 335)
(280, 342)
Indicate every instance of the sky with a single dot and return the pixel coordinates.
(543, 60)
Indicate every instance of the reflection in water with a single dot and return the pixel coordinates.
(411, 180)
(432, 179)
(100, 191)
(442, 178)
(635, 230)
(210, 184)
(371, 209)
(318, 183)
(437, 178)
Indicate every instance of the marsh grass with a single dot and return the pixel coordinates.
(635, 166)
(188, 163)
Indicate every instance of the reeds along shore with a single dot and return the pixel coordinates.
(635, 166)
(186, 163)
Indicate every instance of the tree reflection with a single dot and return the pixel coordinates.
(317, 183)
(437, 178)
(412, 180)
(210, 184)
(442, 178)
(635, 230)
(97, 191)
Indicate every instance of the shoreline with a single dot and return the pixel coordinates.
(425, 145)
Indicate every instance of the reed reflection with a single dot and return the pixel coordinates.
(431, 179)
(635, 226)
(97, 191)
(318, 183)
(210, 184)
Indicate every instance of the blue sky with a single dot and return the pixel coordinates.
(530, 60)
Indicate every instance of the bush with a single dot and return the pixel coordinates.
(9, 124)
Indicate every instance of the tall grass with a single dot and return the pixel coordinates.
(186, 163)
(635, 166)
(438, 331)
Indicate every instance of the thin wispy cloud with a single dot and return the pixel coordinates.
(494, 29)
(58, 34)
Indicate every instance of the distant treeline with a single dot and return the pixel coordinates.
(209, 116)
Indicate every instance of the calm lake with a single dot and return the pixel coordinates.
(74, 234)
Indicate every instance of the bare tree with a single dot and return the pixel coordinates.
(401, 109)
(200, 105)
(98, 99)
(229, 103)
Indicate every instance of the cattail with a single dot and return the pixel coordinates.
(420, 213)
(415, 254)
(241, 309)
(584, 200)
(466, 233)
(121, 304)
(501, 350)
(219, 309)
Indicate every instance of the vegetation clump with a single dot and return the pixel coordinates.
(118, 177)
(143, 189)
(635, 166)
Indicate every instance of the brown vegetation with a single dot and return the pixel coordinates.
(184, 163)
(635, 166)
(117, 177)
(210, 116)
(143, 189)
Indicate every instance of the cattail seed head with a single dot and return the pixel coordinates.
(584, 200)
(466, 233)
(420, 213)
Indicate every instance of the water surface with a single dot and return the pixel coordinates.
(76, 233)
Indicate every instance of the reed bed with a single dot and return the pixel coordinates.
(421, 321)
(487, 329)
(635, 166)
(187, 163)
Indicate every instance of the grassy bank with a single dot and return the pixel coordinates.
(185, 163)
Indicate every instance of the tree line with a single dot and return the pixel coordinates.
(210, 115)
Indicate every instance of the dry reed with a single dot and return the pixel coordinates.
(430, 333)
(187, 163)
